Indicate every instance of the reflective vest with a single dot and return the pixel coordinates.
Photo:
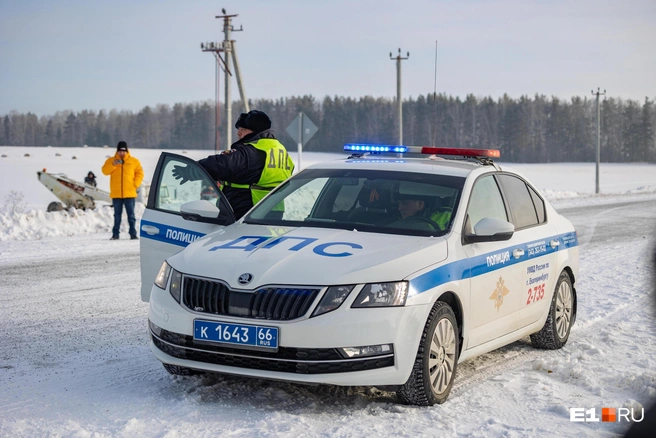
(278, 167)
(441, 218)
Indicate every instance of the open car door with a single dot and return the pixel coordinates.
(163, 229)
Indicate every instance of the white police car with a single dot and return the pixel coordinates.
(381, 270)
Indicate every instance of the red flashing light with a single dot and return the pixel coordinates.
(489, 153)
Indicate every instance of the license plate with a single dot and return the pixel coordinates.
(237, 334)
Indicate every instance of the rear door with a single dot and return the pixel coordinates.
(539, 246)
(163, 230)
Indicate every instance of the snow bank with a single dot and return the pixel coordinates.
(38, 224)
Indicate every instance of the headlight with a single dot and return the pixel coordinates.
(332, 299)
(382, 295)
(163, 276)
(162, 280)
(176, 285)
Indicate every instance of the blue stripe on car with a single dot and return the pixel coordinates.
(169, 234)
(458, 270)
(482, 264)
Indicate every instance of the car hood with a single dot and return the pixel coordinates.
(306, 256)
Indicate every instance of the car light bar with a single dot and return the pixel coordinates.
(354, 147)
(463, 152)
(427, 150)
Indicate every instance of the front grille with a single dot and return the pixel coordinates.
(274, 303)
(286, 359)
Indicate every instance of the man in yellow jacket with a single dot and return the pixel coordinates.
(125, 176)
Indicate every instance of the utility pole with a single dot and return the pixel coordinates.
(240, 82)
(399, 101)
(434, 131)
(216, 48)
(227, 47)
(598, 93)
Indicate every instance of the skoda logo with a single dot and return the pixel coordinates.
(245, 278)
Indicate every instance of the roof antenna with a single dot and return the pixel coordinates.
(435, 100)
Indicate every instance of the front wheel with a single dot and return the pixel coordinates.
(555, 332)
(435, 365)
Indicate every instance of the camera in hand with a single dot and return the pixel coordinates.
(119, 161)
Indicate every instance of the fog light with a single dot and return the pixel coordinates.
(369, 350)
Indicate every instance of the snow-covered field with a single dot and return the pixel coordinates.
(75, 361)
(20, 188)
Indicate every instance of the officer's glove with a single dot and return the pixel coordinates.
(186, 173)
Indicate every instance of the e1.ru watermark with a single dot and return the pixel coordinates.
(608, 415)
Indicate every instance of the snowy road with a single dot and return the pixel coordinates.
(74, 355)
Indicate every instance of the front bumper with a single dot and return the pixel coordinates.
(285, 359)
(307, 347)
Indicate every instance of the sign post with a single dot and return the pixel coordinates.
(300, 138)
(301, 130)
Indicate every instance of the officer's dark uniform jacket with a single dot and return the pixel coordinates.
(257, 161)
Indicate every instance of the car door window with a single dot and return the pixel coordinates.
(170, 194)
(520, 201)
(539, 205)
(486, 201)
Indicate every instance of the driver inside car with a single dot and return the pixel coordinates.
(413, 209)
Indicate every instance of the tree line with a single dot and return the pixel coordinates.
(525, 129)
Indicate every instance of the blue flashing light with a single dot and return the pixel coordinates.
(375, 148)
(377, 161)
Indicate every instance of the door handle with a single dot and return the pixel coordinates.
(149, 229)
(554, 243)
(518, 253)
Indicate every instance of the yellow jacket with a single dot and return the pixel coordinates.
(124, 179)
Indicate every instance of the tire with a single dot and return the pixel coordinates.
(179, 371)
(555, 332)
(54, 206)
(437, 358)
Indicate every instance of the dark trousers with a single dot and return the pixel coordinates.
(118, 212)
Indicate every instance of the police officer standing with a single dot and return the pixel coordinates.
(254, 165)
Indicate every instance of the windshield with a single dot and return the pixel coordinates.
(364, 200)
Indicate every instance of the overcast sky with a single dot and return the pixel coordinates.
(126, 54)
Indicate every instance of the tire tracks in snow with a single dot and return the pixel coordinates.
(520, 353)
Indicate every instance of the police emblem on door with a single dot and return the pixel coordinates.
(245, 278)
(500, 292)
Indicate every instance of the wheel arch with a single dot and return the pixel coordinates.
(454, 302)
(570, 273)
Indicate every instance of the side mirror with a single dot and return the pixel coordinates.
(200, 211)
(491, 230)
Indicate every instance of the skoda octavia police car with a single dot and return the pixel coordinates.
(377, 269)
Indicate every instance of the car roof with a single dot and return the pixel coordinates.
(432, 165)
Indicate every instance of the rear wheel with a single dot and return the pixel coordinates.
(555, 332)
(55, 206)
(179, 371)
(435, 365)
